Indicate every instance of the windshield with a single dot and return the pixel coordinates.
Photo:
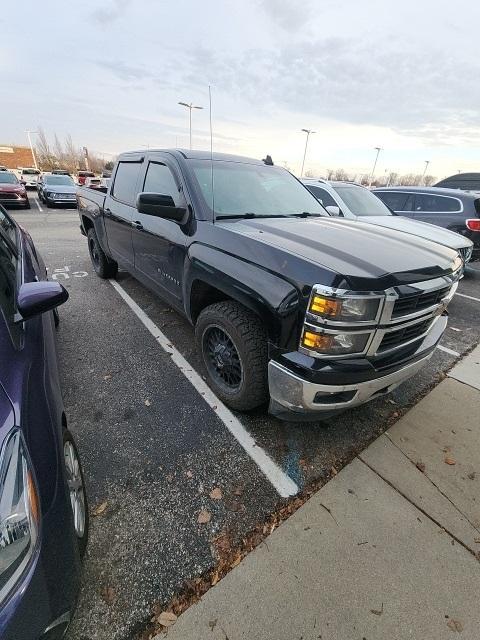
(8, 178)
(361, 201)
(254, 190)
(59, 180)
(30, 172)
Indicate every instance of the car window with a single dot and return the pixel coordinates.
(8, 266)
(159, 179)
(66, 180)
(8, 178)
(436, 204)
(124, 186)
(322, 195)
(7, 225)
(361, 201)
(396, 200)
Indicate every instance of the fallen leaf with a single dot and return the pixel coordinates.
(471, 476)
(455, 625)
(420, 466)
(99, 509)
(212, 624)
(108, 595)
(107, 377)
(477, 540)
(167, 618)
(169, 477)
(204, 516)
(238, 491)
(216, 494)
(333, 471)
(377, 612)
(395, 414)
(189, 474)
(215, 578)
(147, 403)
(449, 460)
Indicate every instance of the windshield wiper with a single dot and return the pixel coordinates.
(247, 215)
(305, 214)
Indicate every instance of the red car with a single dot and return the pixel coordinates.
(83, 175)
(12, 191)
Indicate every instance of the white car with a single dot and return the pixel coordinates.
(352, 201)
(29, 176)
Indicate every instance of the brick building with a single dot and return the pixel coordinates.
(14, 157)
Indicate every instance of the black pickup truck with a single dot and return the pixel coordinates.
(289, 305)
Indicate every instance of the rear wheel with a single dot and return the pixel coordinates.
(104, 266)
(76, 491)
(233, 343)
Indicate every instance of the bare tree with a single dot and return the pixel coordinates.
(309, 173)
(330, 173)
(410, 179)
(45, 156)
(341, 174)
(429, 180)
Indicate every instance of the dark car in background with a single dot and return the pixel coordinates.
(56, 189)
(452, 209)
(12, 191)
(43, 508)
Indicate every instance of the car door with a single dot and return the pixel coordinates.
(400, 202)
(120, 209)
(443, 211)
(159, 244)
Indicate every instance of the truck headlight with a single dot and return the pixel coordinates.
(19, 512)
(344, 308)
(334, 343)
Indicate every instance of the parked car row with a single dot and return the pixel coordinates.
(383, 207)
(43, 504)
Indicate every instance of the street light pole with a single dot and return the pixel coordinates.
(308, 132)
(190, 106)
(427, 162)
(31, 147)
(378, 149)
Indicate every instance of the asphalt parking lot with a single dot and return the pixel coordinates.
(155, 446)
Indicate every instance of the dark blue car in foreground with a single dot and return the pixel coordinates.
(43, 508)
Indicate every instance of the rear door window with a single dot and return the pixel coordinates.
(429, 202)
(125, 185)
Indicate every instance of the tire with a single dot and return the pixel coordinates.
(77, 494)
(233, 344)
(27, 204)
(104, 266)
(48, 203)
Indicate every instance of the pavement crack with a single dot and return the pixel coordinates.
(419, 508)
(330, 512)
(434, 484)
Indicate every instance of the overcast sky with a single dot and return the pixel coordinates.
(402, 75)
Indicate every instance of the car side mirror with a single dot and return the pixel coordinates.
(23, 182)
(161, 206)
(35, 298)
(333, 210)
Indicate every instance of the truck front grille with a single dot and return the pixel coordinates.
(418, 301)
(405, 335)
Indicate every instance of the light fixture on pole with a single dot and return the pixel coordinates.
(308, 132)
(427, 162)
(190, 107)
(31, 147)
(377, 149)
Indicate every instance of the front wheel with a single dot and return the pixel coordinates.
(76, 491)
(104, 267)
(233, 344)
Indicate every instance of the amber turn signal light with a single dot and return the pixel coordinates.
(325, 306)
(320, 341)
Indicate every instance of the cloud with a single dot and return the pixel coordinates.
(291, 16)
(111, 12)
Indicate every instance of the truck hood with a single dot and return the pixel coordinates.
(365, 255)
(422, 229)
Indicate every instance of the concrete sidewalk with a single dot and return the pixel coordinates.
(388, 550)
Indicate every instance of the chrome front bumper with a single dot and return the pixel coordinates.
(290, 393)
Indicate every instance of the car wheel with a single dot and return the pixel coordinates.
(76, 491)
(233, 344)
(104, 267)
(27, 204)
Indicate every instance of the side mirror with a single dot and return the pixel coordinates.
(333, 210)
(35, 298)
(23, 182)
(161, 206)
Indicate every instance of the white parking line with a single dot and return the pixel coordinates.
(283, 484)
(464, 295)
(447, 350)
(38, 204)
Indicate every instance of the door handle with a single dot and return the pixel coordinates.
(107, 212)
(137, 225)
